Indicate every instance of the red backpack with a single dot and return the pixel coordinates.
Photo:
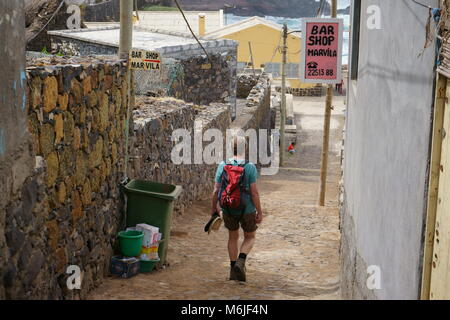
(233, 186)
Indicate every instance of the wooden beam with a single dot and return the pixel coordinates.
(441, 85)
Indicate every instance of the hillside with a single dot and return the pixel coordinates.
(280, 8)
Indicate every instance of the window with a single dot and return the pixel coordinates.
(355, 32)
(241, 66)
(274, 69)
(292, 70)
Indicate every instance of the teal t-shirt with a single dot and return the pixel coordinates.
(250, 176)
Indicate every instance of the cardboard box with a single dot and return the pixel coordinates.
(149, 234)
(124, 267)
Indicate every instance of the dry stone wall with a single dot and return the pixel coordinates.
(207, 80)
(316, 91)
(195, 78)
(106, 11)
(155, 119)
(245, 84)
(255, 112)
(69, 210)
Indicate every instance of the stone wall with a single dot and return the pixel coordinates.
(255, 112)
(317, 91)
(245, 84)
(15, 162)
(40, 17)
(68, 211)
(151, 157)
(206, 80)
(193, 79)
(66, 43)
(102, 12)
(75, 47)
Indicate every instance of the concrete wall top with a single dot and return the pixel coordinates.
(146, 39)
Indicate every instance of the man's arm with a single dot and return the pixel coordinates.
(255, 198)
(215, 198)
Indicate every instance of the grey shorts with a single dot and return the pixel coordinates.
(246, 221)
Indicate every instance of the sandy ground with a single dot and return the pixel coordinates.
(296, 253)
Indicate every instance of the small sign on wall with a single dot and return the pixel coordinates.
(145, 60)
(321, 59)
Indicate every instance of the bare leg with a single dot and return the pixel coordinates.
(249, 241)
(233, 245)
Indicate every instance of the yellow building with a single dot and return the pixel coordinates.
(263, 39)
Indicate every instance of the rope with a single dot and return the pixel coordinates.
(421, 4)
(192, 32)
(51, 18)
(433, 14)
(320, 9)
(137, 11)
(176, 71)
(277, 48)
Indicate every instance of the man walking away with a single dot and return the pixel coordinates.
(237, 194)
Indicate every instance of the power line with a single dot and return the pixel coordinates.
(192, 32)
(421, 4)
(277, 48)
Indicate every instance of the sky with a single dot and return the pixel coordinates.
(342, 4)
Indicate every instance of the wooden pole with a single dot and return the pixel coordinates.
(137, 9)
(251, 56)
(126, 28)
(283, 96)
(125, 45)
(326, 130)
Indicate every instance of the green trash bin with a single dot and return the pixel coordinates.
(152, 203)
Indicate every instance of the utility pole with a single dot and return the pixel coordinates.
(251, 56)
(126, 28)
(125, 45)
(326, 129)
(283, 95)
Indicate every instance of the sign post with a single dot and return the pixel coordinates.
(321, 62)
(145, 60)
(321, 59)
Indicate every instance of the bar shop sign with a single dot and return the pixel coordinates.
(321, 59)
(145, 60)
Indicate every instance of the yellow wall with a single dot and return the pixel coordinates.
(264, 41)
(297, 84)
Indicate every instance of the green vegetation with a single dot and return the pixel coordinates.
(44, 51)
(159, 8)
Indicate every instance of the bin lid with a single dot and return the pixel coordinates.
(154, 189)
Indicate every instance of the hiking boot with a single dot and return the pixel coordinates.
(239, 270)
(233, 275)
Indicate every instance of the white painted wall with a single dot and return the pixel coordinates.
(289, 106)
(173, 20)
(387, 149)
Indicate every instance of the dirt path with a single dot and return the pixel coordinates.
(295, 256)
